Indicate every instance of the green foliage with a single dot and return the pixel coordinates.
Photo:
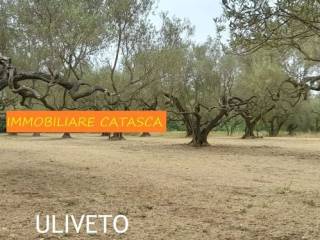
(275, 24)
(289, 26)
(175, 126)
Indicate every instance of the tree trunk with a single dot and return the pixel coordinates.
(188, 130)
(291, 129)
(66, 135)
(249, 131)
(145, 134)
(36, 135)
(117, 137)
(233, 129)
(199, 138)
(105, 134)
(228, 129)
(274, 132)
(13, 134)
(276, 126)
(317, 125)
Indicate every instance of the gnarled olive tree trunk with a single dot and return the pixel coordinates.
(117, 137)
(249, 130)
(13, 79)
(188, 130)
(292, 128)
(317, 125)
(66, 135)
(186, 118)
(145, 134)
(200, 131)
(105, 134)
(201, 128)
(200, 138)
(252, 121)
(275, 127)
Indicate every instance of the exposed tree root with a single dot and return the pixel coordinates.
(145, 134)
(66, 135)
(117, 137)
(105, 134)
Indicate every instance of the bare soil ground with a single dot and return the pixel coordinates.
(235, 189)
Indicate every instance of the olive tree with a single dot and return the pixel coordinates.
(290, 26)
(203, 94)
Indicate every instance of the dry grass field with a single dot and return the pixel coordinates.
(235, 189)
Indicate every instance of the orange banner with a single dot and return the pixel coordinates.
(86, 121)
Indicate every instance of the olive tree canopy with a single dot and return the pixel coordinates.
(288, 25)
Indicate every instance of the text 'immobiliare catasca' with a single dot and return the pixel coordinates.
(86, 121)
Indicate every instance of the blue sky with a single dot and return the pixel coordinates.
(199, 12)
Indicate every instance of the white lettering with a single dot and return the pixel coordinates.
(126, 223)
(77, 227)
(38, 224)
(89, 223)
(54, 230)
